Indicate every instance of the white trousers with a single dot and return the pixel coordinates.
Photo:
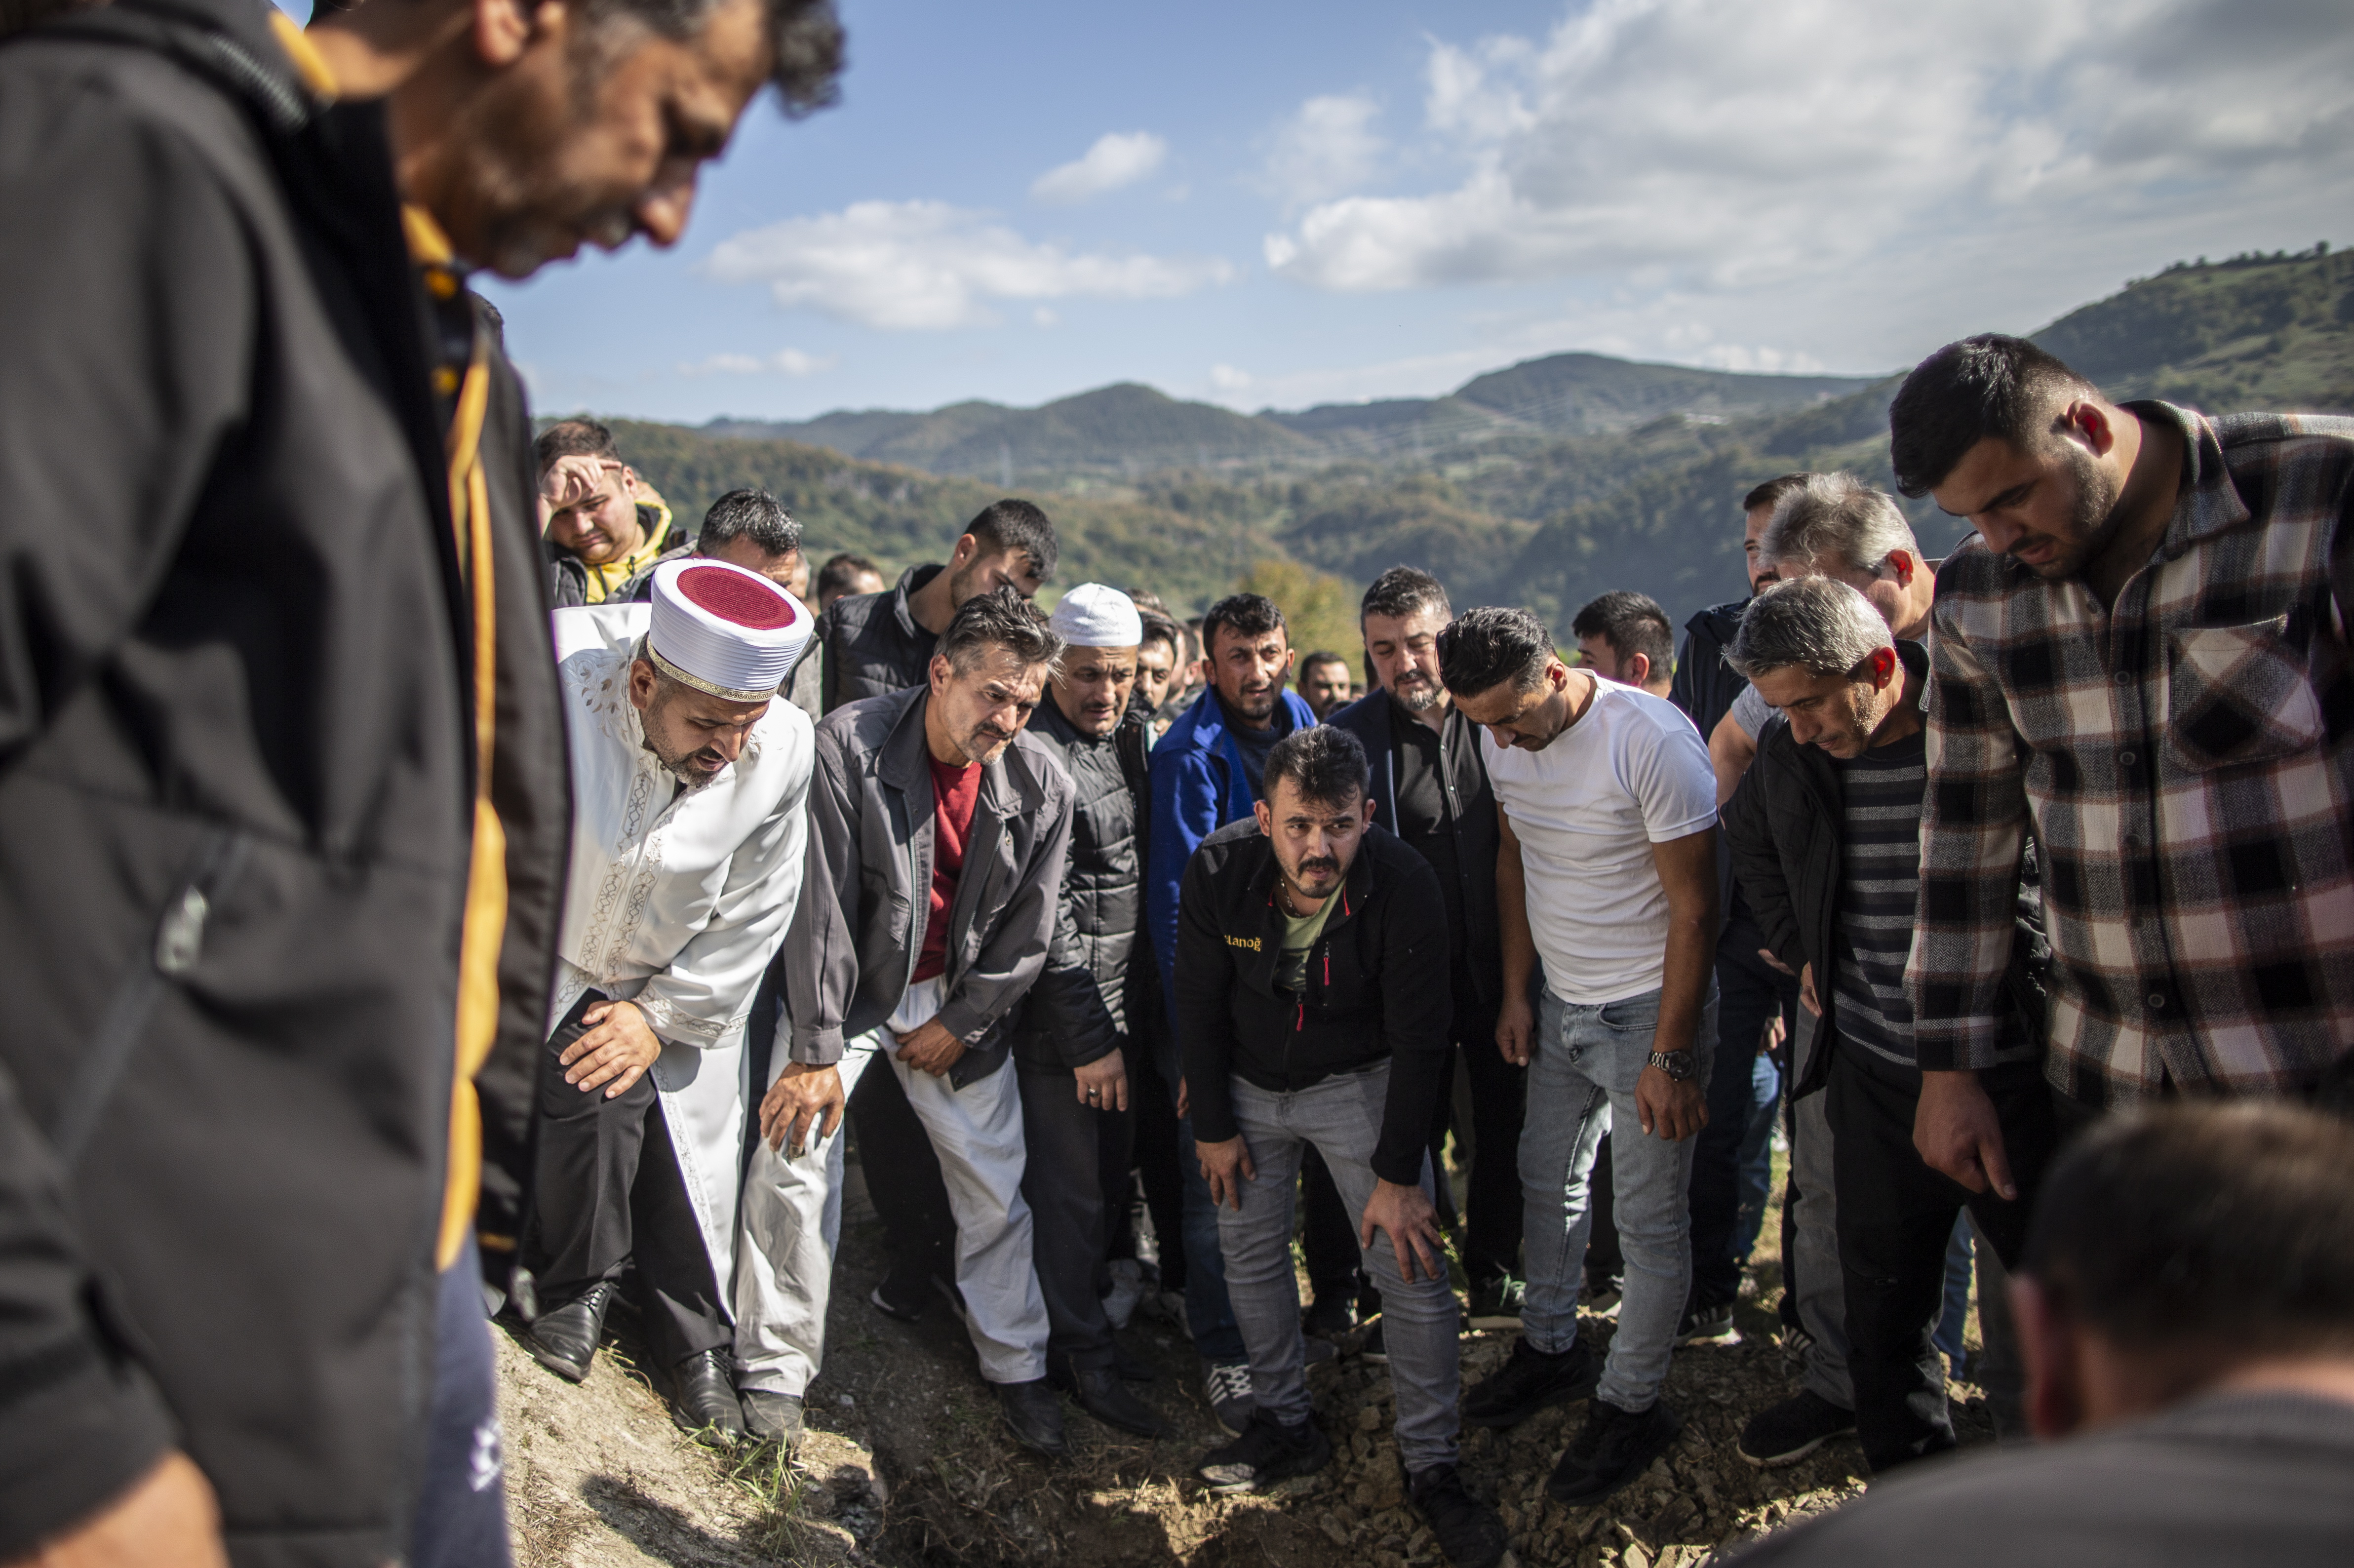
(792, 1222)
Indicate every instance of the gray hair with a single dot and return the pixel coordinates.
(753, 514)
(1840, 516)
(1001, 619)
(1818, 624)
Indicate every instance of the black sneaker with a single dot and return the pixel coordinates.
(1787, 1433)
(1708, 1326)
(1615, 1446)
(1265, 1452)
(1470, 1534)
(1528, 1382)
(1496, 1303)
(1226, 1387)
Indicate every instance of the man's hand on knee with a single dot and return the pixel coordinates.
(1225, 1167)
(802, 1100)
(616, 1051)
(1405, 1213)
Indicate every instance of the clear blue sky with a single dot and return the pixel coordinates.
(1286, 204)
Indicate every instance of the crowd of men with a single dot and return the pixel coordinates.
(435, 878)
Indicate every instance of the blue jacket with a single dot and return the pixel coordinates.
(1198, 787)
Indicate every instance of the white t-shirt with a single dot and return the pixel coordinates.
(1588, 809)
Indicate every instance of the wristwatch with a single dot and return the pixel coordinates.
(1676, 1064)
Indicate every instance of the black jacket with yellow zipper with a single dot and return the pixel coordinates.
(1376, 986)
(248, 837)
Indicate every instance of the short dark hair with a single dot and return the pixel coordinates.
(1145, 599)
(1322, 656)
(2229, 1225)
(1011, 524)
(1990, 385)
(841, 570)
(575, 438)
(1770, 493)
(1325, 763)
(1401, 591)
(1486, 647)
(753, 514)
(805, 40)
(1632, 623)
(1245, 615)
(1159, 628)
(1001, 618)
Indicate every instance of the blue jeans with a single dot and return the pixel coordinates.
(1742, 1091)
(1209, 1315)
(1340, 1118)
(1582, 1077)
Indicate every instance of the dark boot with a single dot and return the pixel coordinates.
(1103, 1395)
(1034, 1416)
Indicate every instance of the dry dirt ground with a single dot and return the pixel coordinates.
(908, 1464)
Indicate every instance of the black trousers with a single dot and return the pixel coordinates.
(1156, 1169)
(1749, 992)
(903, 1177)
(1895, 1217)
(1493, 1203)
(607, 1190)
(1074, 1174)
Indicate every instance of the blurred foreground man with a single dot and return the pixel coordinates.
(1312, 1004)
(688, 783)
(2187, 1301)
(287, 794)
(937, 833)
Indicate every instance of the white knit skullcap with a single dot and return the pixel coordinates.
(723, 629)
(1094, 616)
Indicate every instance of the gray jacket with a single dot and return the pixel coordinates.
(860, 923)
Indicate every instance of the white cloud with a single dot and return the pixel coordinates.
(1117, 159)
(1226, 379)
(925, 265)
(1736, 147)
(784, 362)
(1045, 317)
(1326, 148)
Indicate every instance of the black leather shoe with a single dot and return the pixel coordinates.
(1102, 1394)
(773, 1418)
(705, 1401)
(1614, 1448)
(564, 1340)
(1528, 1382)
(1033, 1415)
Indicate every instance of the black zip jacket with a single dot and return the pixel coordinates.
(1377, 987)
(1077, 1012)
(872, 645)
(1786, 829)
(236, 787)
(1704, 684)
(1477, 836)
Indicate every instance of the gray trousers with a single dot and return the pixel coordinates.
(1342, 1117)
(1821, 1288)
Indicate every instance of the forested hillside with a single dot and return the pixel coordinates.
(1542, 485)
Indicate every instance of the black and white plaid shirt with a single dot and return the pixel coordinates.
(2188, 757)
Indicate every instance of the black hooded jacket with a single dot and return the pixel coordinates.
(873, 644)
(237, 781)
